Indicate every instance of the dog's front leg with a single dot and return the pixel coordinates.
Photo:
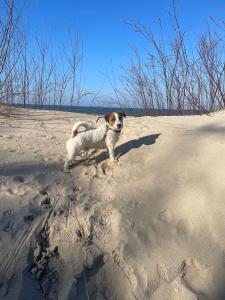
(111, 152)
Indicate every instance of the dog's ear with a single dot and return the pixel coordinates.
(107, 118)
(122, 114)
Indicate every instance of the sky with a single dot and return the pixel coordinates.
(105, 37)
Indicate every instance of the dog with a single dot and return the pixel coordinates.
(102, 137)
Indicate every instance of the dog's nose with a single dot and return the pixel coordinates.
(119, 125)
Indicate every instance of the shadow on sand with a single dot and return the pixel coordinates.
(126, 147)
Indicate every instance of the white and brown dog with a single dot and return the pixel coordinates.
(102, 137)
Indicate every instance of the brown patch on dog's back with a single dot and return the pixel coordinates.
(74, 133)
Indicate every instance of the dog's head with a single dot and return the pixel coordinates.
(115, 120)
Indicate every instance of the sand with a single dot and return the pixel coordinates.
(151, 226)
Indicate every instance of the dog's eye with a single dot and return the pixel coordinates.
(120, 118)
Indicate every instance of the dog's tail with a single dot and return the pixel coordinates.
(86, 125)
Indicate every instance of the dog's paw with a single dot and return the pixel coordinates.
(114, 160)
(66, 169)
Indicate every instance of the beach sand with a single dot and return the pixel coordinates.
(151, 226)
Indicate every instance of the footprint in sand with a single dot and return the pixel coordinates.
(9, 227)
(46, 203)
(184, 227)
(8, 213)
(7, 136)
(19, 151)
(46, 200)
(165, 217)
(77, 267)
(83, 198)
(9, 191)
(92, 257)
(199, 279)
(18, 179)
(28, 218)
(17, 190)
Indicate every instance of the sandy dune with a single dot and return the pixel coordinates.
(151, 226)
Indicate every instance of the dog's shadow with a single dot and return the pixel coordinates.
(125, 148)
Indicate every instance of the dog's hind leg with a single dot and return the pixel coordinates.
(67, 163)
(70, 157)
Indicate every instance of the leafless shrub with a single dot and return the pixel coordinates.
(8, 60)
(169, 76)
(37, 75)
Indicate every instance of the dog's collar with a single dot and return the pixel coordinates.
(109, 128)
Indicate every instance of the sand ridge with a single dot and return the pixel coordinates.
(148, 227)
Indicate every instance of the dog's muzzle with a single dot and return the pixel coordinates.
(116, 130)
